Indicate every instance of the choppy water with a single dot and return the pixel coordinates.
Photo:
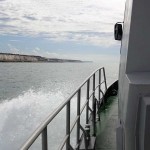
(28, 91)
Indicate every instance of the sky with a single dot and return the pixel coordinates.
(74, 29)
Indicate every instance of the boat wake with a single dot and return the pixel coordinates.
(21, 115)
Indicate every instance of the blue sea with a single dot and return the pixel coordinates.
(30, 91)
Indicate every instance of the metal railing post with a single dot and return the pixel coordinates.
(42, 129)
(99, 87)
(99, 94)
(105, 79)
(87, 97)
(68, 125)
(78, 114)
(94, 107)
(44, 139)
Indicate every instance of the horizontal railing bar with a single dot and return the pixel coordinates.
(84, 106)
(42, 126)
(99, 85)
(51, 116)
(63, 142)
(30, 141)
(103, 82)
(92, 74)
(90, 109)
(91, 94)
(95, 89)
(85, 81)
(74, 123)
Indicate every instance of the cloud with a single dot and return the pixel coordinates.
(13, 49)
(78, 20)
(30, 18)
(36, 51)
(40, 52)
(52, 55)
(58, 54)
(14, 40)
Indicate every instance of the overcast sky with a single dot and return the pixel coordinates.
(60, 28)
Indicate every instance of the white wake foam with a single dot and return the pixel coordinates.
(21, 115)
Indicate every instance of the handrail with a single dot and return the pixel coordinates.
(42, 129)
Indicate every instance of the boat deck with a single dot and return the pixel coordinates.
(106, 128)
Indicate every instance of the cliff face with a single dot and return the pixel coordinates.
(17, 58)
(5, 57)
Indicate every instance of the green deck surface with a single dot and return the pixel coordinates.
(106, 128)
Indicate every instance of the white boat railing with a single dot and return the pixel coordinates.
(90, 113)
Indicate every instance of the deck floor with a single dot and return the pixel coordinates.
(106, 128)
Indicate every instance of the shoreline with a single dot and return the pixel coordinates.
(9, 58)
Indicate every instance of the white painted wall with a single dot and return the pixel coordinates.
(134, 77)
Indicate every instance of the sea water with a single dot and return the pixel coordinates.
(30, 91)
